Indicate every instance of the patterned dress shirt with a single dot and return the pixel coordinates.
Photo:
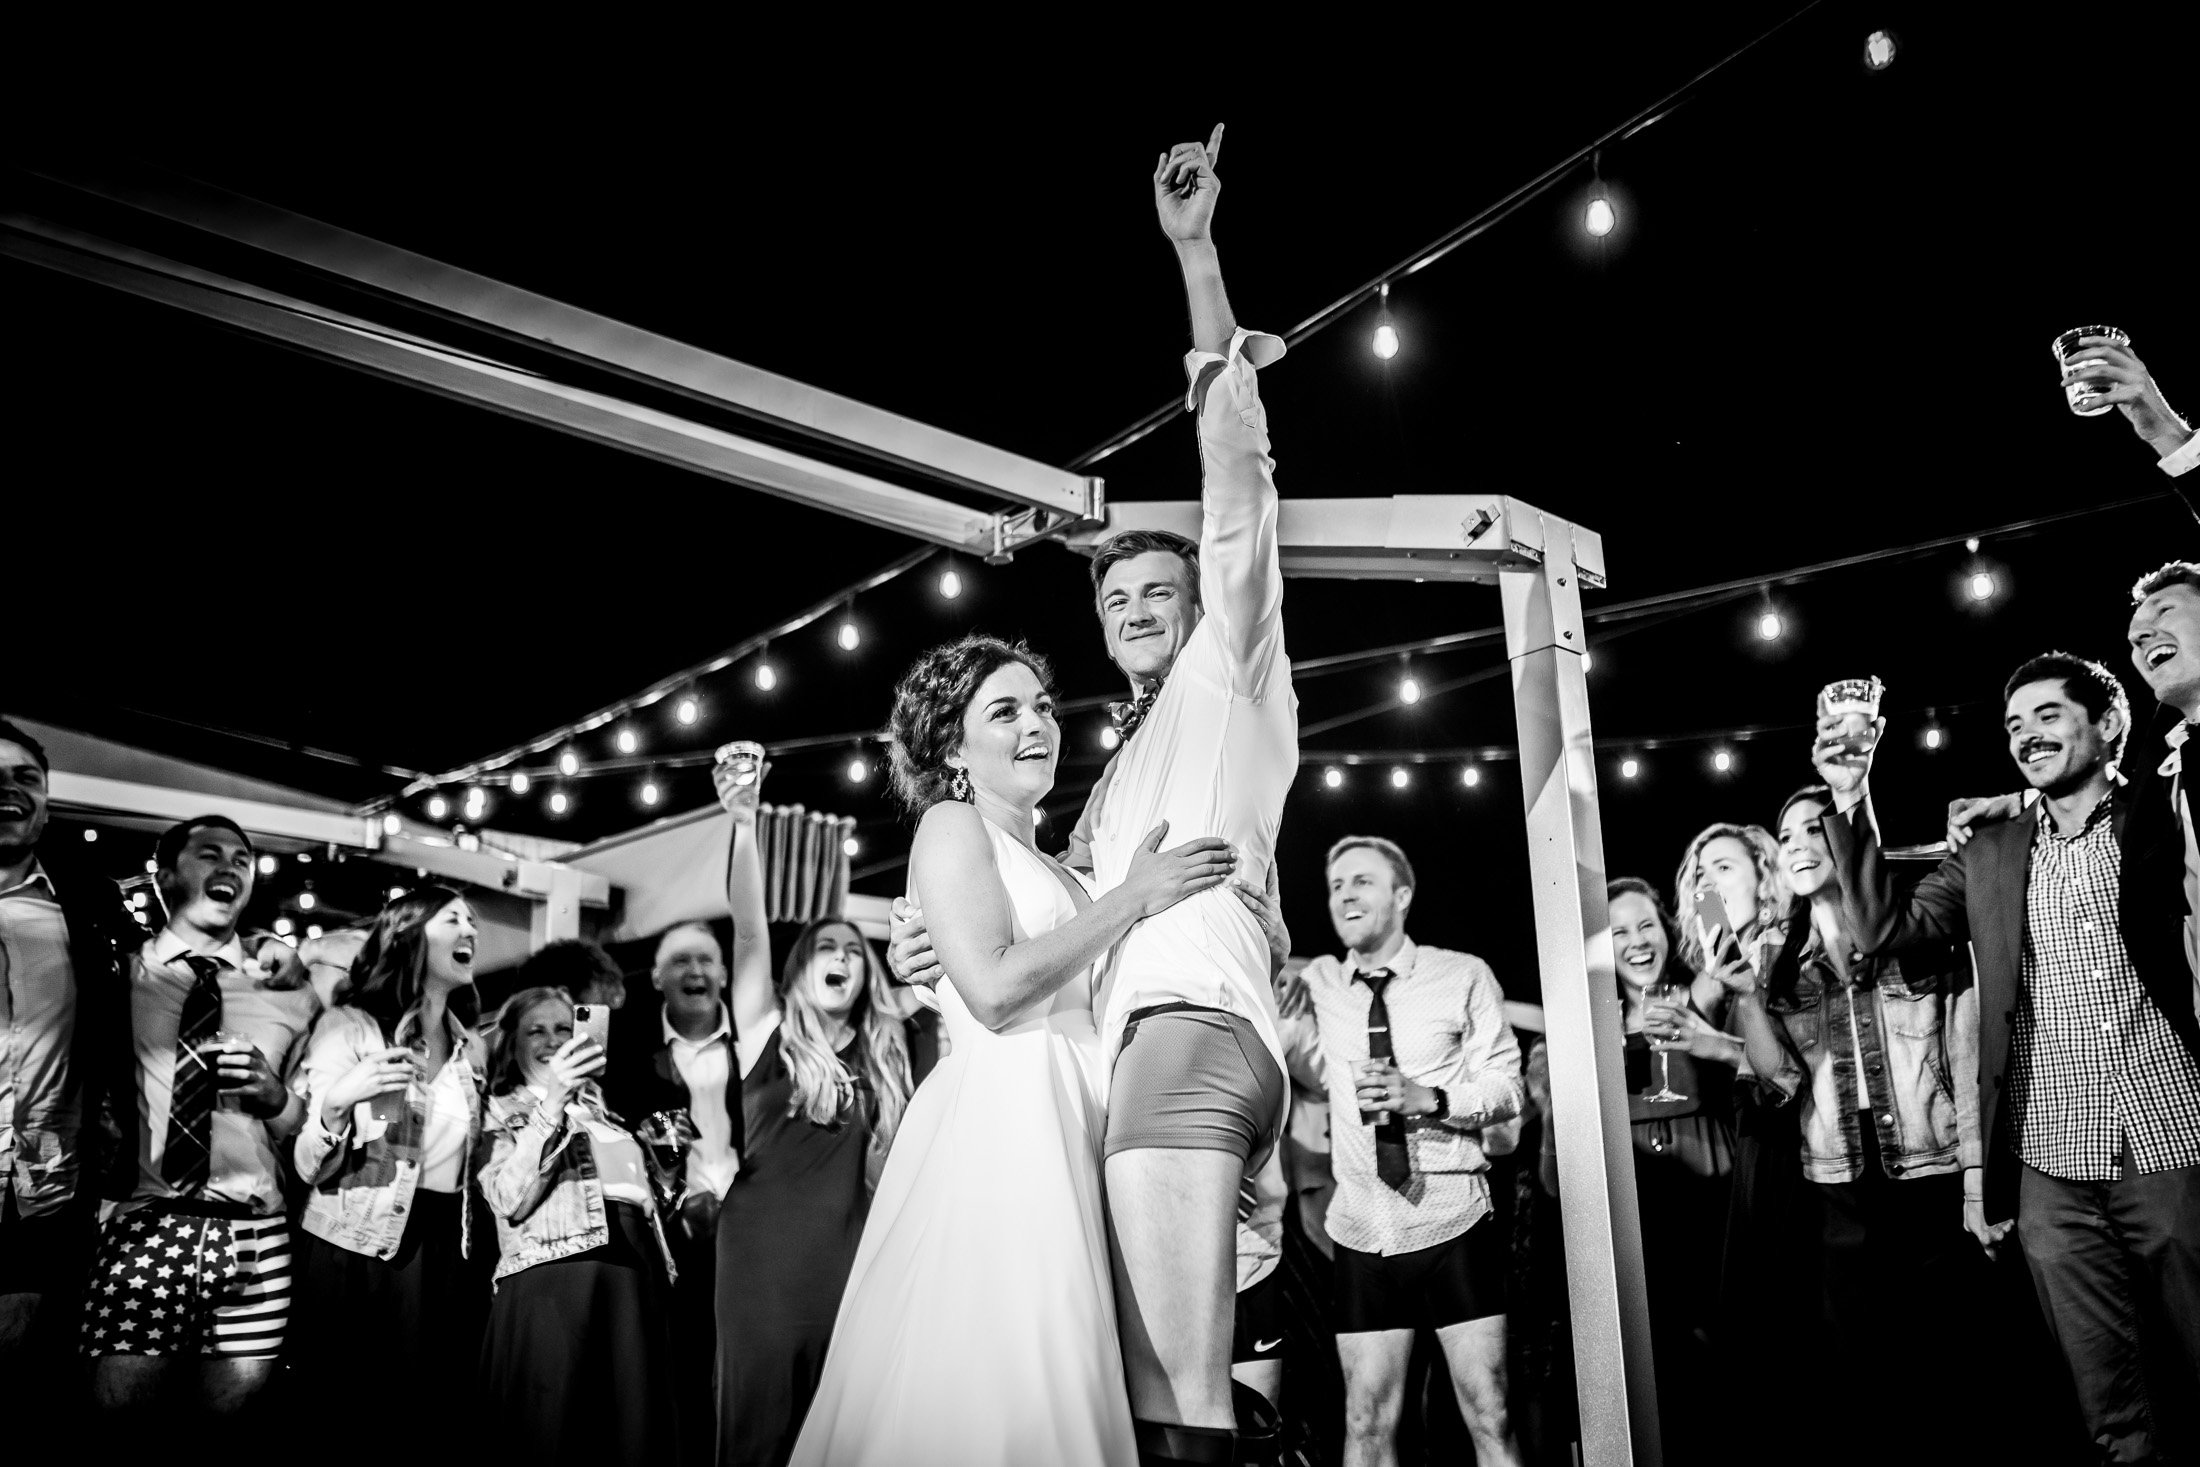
(2094, 1061)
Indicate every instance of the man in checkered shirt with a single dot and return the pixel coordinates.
(1419, 1059)
(2095, 1157)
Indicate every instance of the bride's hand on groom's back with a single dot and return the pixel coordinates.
(1158, 879)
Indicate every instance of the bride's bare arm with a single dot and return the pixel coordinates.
(958, 884)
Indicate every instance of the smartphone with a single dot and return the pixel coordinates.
(594, 1020)
(1710, 916)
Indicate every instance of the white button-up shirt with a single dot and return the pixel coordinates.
(705, 1066)
(1217, 753)
(1447, 1031)
(41, 1110)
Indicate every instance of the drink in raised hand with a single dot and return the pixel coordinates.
(1855, 701)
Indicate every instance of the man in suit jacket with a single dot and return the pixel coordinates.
(2162, 856)
(2087, 1056)
(64, 1051)
(678, 1056)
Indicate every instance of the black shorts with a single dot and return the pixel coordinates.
(1257, 1334)
(1451, 1283)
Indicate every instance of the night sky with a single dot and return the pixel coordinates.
(1821, 328)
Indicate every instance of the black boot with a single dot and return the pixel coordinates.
(1161, 1443)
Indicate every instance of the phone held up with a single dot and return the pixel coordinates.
(1721, 946)
(594, 1020)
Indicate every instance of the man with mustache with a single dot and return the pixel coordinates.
(63, 930)
(189, 1295)
(2079, 1034)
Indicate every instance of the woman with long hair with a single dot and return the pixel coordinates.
(386, 1277)
(978, 1327)
(577, 1366)
(824, 1062)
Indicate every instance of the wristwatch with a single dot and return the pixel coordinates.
(1443, 1104)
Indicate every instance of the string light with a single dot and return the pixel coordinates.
(951, 586)
(1971, 545)
(852, 847)
(283, 925)
(858, 770)
(558, 802)
(313, 930)
(1399, 778)
(267, 865)
(1386, 334)
(520, 781)
(687, 711)
(1587, 660)
(1933, 737)
(649, 792)
(1629, 768)
(1599, 219)
(569, 763)
(1981, 586)
(1409, 690)
(90, 834)
(1771, 627)
(1333, 777)
(1109, 738)
(767, 677)
(307, 901)
(151, 867)
(1879, 50)
(438, 807)
(627, 741)
(1722, 761)
(1470, 776)
(477, 803)
(392, 825)
(397, 893)
(137, 900)
(849, 636)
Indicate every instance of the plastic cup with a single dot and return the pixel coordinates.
(2069, 353)
(1855, 700)
(746, 757)
(210, 1051)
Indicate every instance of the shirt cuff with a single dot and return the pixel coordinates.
(2177, 463)
(1254, 348)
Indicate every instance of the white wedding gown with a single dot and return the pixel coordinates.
(978, 1328)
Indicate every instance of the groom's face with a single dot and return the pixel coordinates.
(1147, 612)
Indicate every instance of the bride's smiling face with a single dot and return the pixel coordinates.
(1010, 739)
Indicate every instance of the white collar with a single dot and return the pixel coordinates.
(674, 1036)
(168, 946)
(1400, 964)
(35, 876)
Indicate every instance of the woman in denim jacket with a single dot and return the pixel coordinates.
(392, 1080)
(578, 1363)
(1862, 1047)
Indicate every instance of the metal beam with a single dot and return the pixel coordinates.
(583, 413)
(94, 795)
(581, 336)
(1407, 537)
(1604, 1281)
(536, 880)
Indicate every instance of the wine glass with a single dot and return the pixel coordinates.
(1666, 993)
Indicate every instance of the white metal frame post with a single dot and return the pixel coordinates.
(1614, 1373)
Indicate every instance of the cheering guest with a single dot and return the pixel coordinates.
(670, 1071)
(393, 1117)
(1415, 1044)
(64, 1040)
(2087, 1058)
(824, 1071)
(577, 1366)
(195, 1265)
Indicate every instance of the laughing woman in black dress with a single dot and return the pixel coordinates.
(824, 1080)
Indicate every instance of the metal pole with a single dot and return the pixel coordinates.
(1604, 1287)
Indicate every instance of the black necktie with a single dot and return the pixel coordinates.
(187, 1160)
(1393, 1161)
(1128, 716)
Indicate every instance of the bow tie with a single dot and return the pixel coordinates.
(1128, 716)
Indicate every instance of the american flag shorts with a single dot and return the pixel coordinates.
(165, 1284)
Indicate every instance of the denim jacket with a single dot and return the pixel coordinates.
(1926, 1125)
(540, 1182)
(362, 1184)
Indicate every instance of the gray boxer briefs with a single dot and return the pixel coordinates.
(1189, 1078)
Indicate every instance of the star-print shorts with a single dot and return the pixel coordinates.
(165, 1284)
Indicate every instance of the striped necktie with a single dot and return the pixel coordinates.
(187, 1160)
(1393, 1159)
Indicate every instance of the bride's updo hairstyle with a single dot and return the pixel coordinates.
(929, 703)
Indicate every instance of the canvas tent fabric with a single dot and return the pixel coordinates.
(674, 870)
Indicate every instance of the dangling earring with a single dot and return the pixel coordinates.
(960, 789)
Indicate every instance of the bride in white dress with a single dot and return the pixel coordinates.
(978, 1328)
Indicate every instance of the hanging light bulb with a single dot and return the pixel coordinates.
(569, 763)
(852, 847)
(767, 677)
(477, 801)
(1333, 777)
(1933, 738)
(307, 901)
(1470, 776)
(313, 930)
(951, 585)
(1770, 627)
(1722, 761)
(1409, 690)
(849, 636)
(1879, 50)
(283, 925)
(520, 781)
(267, 865)
(628, 742)
(1598, 219)
(1399, 778)
(1629, 768)
(687, 710)
(858, 770)
(649, 792)
(391, 825)
(1109, 738)
(438, 807)
(1981, 586)
(1386, 334)
(558, 802)
(396, 892)
(90, 834)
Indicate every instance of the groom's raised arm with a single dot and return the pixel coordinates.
(1240, 573)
